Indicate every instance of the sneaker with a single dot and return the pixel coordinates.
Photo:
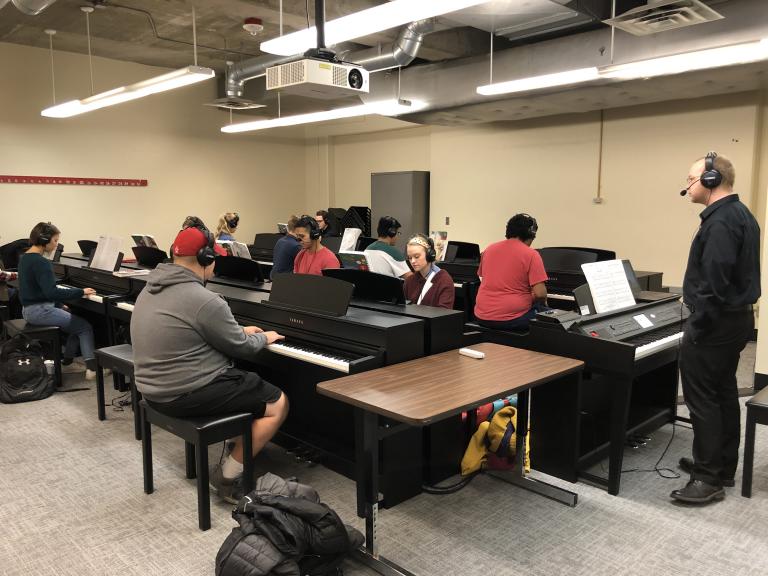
(91, 374)
(73, 368)
(228, 489)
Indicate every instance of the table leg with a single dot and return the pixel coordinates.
(517, 475)
(367, 435)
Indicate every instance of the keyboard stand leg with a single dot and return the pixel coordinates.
(367, 434)
(517, 475)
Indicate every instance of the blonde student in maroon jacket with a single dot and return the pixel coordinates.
(313, 257)
(429, 285)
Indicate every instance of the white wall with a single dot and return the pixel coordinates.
(169, 139)
(548, 167)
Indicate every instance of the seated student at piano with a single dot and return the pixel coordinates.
(227, 226)
(184, 339)
(313, 257)
(286, 249)
(382, 256)
(43, 301)
(512, 278)
(428, 285)
(193, 222)
(324, 224)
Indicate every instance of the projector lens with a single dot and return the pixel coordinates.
(355, 79)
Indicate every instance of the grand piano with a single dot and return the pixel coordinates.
(629, 386)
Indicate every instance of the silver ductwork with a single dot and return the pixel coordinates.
(31, 7)
(400, 53)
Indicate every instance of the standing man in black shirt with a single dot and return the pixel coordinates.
(722, 282)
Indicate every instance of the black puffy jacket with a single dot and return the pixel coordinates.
(284, 530)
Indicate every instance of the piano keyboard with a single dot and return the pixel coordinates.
(555, 296)
(657, 345)
(125, 306)
(99, 298)
(307, 354)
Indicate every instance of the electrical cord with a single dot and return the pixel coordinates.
(451, 488)
(119, 402)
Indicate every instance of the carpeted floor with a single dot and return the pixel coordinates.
(71, 503)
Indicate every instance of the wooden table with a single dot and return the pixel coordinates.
(426, 390)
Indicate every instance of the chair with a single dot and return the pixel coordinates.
(757, 413)
(48, 334)
(198, 433)
(119, 359)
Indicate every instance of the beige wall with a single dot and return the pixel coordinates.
(169, 139)
(761, 154)
(549, 167)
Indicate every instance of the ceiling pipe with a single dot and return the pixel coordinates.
(401, 52)
(31, 7)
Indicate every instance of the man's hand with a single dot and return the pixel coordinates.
(273, 336)
(89, 291)
(251, 330)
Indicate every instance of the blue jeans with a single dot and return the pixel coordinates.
(78, 331)
(519, 324)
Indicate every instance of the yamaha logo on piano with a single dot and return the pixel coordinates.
(296, 321)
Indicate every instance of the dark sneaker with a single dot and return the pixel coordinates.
(698, 492)
(686, 465)
(228, 489)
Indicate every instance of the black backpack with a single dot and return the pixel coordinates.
(23, 377)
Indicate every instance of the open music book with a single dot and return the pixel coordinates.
(235, 248)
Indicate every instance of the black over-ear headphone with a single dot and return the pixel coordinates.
(233, 222)
(45, 234)
(206, 255)
(529, 231)
(711, 178)
(427, 243)
(311, 225)
(392, 226)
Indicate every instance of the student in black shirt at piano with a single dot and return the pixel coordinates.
(43, 301)
(722, 282)
(286, 248)
(324, 224)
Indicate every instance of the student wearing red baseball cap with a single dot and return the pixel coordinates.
(184, 342)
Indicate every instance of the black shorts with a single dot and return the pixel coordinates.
(233, 391)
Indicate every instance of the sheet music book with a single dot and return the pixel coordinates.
(609, 285)
(282, 228)
(235, 248)
(355, 260)
(349, 239)
(440, 238)
(144, 240)
(107, 253)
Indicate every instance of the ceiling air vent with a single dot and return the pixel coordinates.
(235, 103)
(662, 15)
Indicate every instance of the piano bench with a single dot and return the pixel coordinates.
(119, 359)
(198, 433)
(757, 413)
(49, 334)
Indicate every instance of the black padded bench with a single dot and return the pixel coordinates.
(119, 359)
(48, 334)
(757, 413)
(198, 433)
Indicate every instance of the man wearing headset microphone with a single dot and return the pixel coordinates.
(184, 338)
(722, 282)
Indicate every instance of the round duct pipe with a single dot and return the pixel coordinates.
(31, 7)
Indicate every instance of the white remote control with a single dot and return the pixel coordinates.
(472, 353)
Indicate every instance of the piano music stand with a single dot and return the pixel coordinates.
(238, 268)
(370, 286)
(148, 256)
(87, 247)
(319, 294)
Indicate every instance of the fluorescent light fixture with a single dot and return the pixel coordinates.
(538, 82)
(169, 81)
(364, 23)
(383, 107)
(689, 62)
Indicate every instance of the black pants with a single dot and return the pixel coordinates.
(708, 370)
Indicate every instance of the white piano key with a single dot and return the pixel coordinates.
(125, 306)
(311, 357)
(658, 345)
(567, 297)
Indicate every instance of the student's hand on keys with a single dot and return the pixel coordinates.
(89, 291)
(251, 330)
(273, 336)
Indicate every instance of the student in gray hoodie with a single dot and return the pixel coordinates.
(184, 338)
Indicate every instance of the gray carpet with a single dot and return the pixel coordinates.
(71, 502)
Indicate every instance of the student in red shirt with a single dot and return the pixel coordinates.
(313, 257)
(512, 277)
(429, 285)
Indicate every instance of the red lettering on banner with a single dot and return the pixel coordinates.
(65, 180)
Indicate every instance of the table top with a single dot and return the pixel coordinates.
(434, 387)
